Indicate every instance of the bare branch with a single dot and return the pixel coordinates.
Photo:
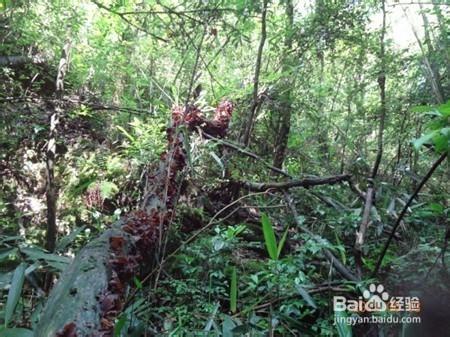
(124, 18)
(338, 265)
(405, 209)
(307, 182)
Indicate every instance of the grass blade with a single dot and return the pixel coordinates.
(282, 242)
(233, 291)
(269, 237)
(306, 296)
(14, 292)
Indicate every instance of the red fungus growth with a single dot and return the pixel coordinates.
(148, 225)
(216, 127)
(93, 197)
(69, 330)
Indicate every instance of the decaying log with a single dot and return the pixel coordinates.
(73, 307)
(91, 291)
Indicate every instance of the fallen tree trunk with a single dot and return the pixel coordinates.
(73, 307)
(91, 291)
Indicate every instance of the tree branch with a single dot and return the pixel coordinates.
(405, 209)
(307, 182)
(336, 264)
(124, 18)
(247, 153)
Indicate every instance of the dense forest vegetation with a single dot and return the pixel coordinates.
(224, 168)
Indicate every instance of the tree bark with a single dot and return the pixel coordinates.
(308, 182)
(52, 186)
(360, 234)
(284, 126)
(256, 100)
(429, 72)
(91, 291)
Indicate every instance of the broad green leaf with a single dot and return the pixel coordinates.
(7, 253)
(68, 239)
(14, 292)
(5, 279)
(55, 261)
(227, 326)
(441, 143)
(119, 325)
(418, 143)
(269, 237)
(233, 291)
(306, 296)
(445, 109)
(38, 254)
(16, 332)
(436, 208)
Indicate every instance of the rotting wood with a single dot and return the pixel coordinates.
(90, 293)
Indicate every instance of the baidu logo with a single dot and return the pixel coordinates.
(376, 299)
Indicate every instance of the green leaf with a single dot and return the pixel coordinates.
(436, 208)
(218, 161)
(56, 261)
(137, 283)
(7, 253)
(16, 332)
(68, 239)
(5, 279)
(421, 108)
(282, 242)
(306, 296)
(269, 237)
(125, 132)
(445, 109)
(14, 292)
(441, 140)
(210, 323)
(227, 326)
(118, 327)
(343, 329)
(418, 143)
(108, 189)
(233, 291)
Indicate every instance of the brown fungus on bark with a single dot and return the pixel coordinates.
(147, 225)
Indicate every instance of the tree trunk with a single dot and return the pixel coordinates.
(256, 101)
(285, 111)
(91, 291)
(51, 192)
(360, 234)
